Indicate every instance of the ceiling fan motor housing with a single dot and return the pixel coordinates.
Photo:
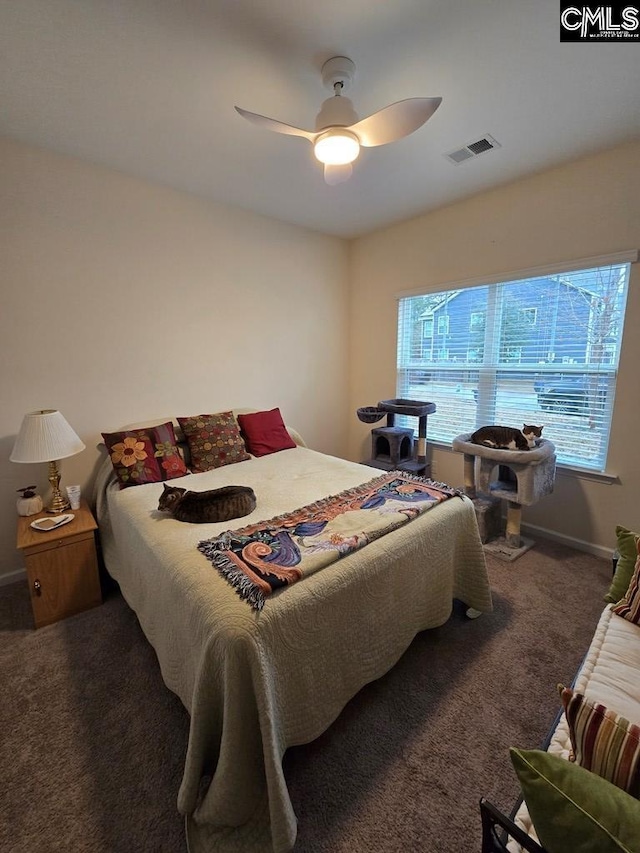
(336, 112)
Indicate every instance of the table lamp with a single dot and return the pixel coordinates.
(45, 436)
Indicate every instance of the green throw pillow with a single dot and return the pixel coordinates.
(626, 545)
(574, 810)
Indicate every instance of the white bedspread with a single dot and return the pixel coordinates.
(256, 683)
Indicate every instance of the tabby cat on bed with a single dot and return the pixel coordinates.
(207, 507)
(508, 438)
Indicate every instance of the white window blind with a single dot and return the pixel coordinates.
(540, 350)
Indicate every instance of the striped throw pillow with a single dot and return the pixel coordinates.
(629, 607)
(603, 741)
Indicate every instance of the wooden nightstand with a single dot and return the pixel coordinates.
(62, 567)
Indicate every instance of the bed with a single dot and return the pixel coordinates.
(256, 682)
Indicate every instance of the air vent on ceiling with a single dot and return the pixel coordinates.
(473, 149)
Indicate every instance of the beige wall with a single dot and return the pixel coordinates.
(122, 301)
(590, 207)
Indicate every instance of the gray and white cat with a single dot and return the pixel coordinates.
(207, 507)
(508, 438)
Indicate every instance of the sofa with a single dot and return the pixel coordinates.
(580, 791)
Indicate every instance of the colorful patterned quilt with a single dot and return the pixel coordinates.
(261, 558)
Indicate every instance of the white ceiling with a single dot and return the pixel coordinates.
(149, 86)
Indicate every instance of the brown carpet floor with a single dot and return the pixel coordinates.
(92, 743)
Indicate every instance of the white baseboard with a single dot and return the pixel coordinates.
(570, 541)
(13, 577)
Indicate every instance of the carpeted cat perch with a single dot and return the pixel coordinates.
(524, 476)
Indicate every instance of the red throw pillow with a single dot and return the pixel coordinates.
(147, 455)
(265, 432)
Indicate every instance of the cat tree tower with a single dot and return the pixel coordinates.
(393, 448)
(524, 476)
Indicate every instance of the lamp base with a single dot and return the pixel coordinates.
(58, 502)
(57, 507)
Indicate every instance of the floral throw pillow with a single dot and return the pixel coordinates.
(146, 455)
(214, 441)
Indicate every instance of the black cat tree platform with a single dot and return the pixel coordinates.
(394, 448)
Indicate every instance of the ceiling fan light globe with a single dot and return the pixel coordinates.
(336, 147)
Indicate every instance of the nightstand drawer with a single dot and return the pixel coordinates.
(63, 580)
(52, 544)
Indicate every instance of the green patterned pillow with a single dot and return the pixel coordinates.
(629, 606)
(573, 809)
(603, 741)
(214, 440)
(626, 545)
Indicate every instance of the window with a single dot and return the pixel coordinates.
(540, 350)
(443, 324)
(476, 322)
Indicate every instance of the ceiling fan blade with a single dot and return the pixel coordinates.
(337, 174)
(277, 126)
(395, 121)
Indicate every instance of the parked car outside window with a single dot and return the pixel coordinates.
(569, 393)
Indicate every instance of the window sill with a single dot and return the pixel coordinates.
(584, 474)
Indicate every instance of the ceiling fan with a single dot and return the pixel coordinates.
(339, 132)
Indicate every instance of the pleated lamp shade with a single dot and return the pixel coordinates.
(45, 436)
